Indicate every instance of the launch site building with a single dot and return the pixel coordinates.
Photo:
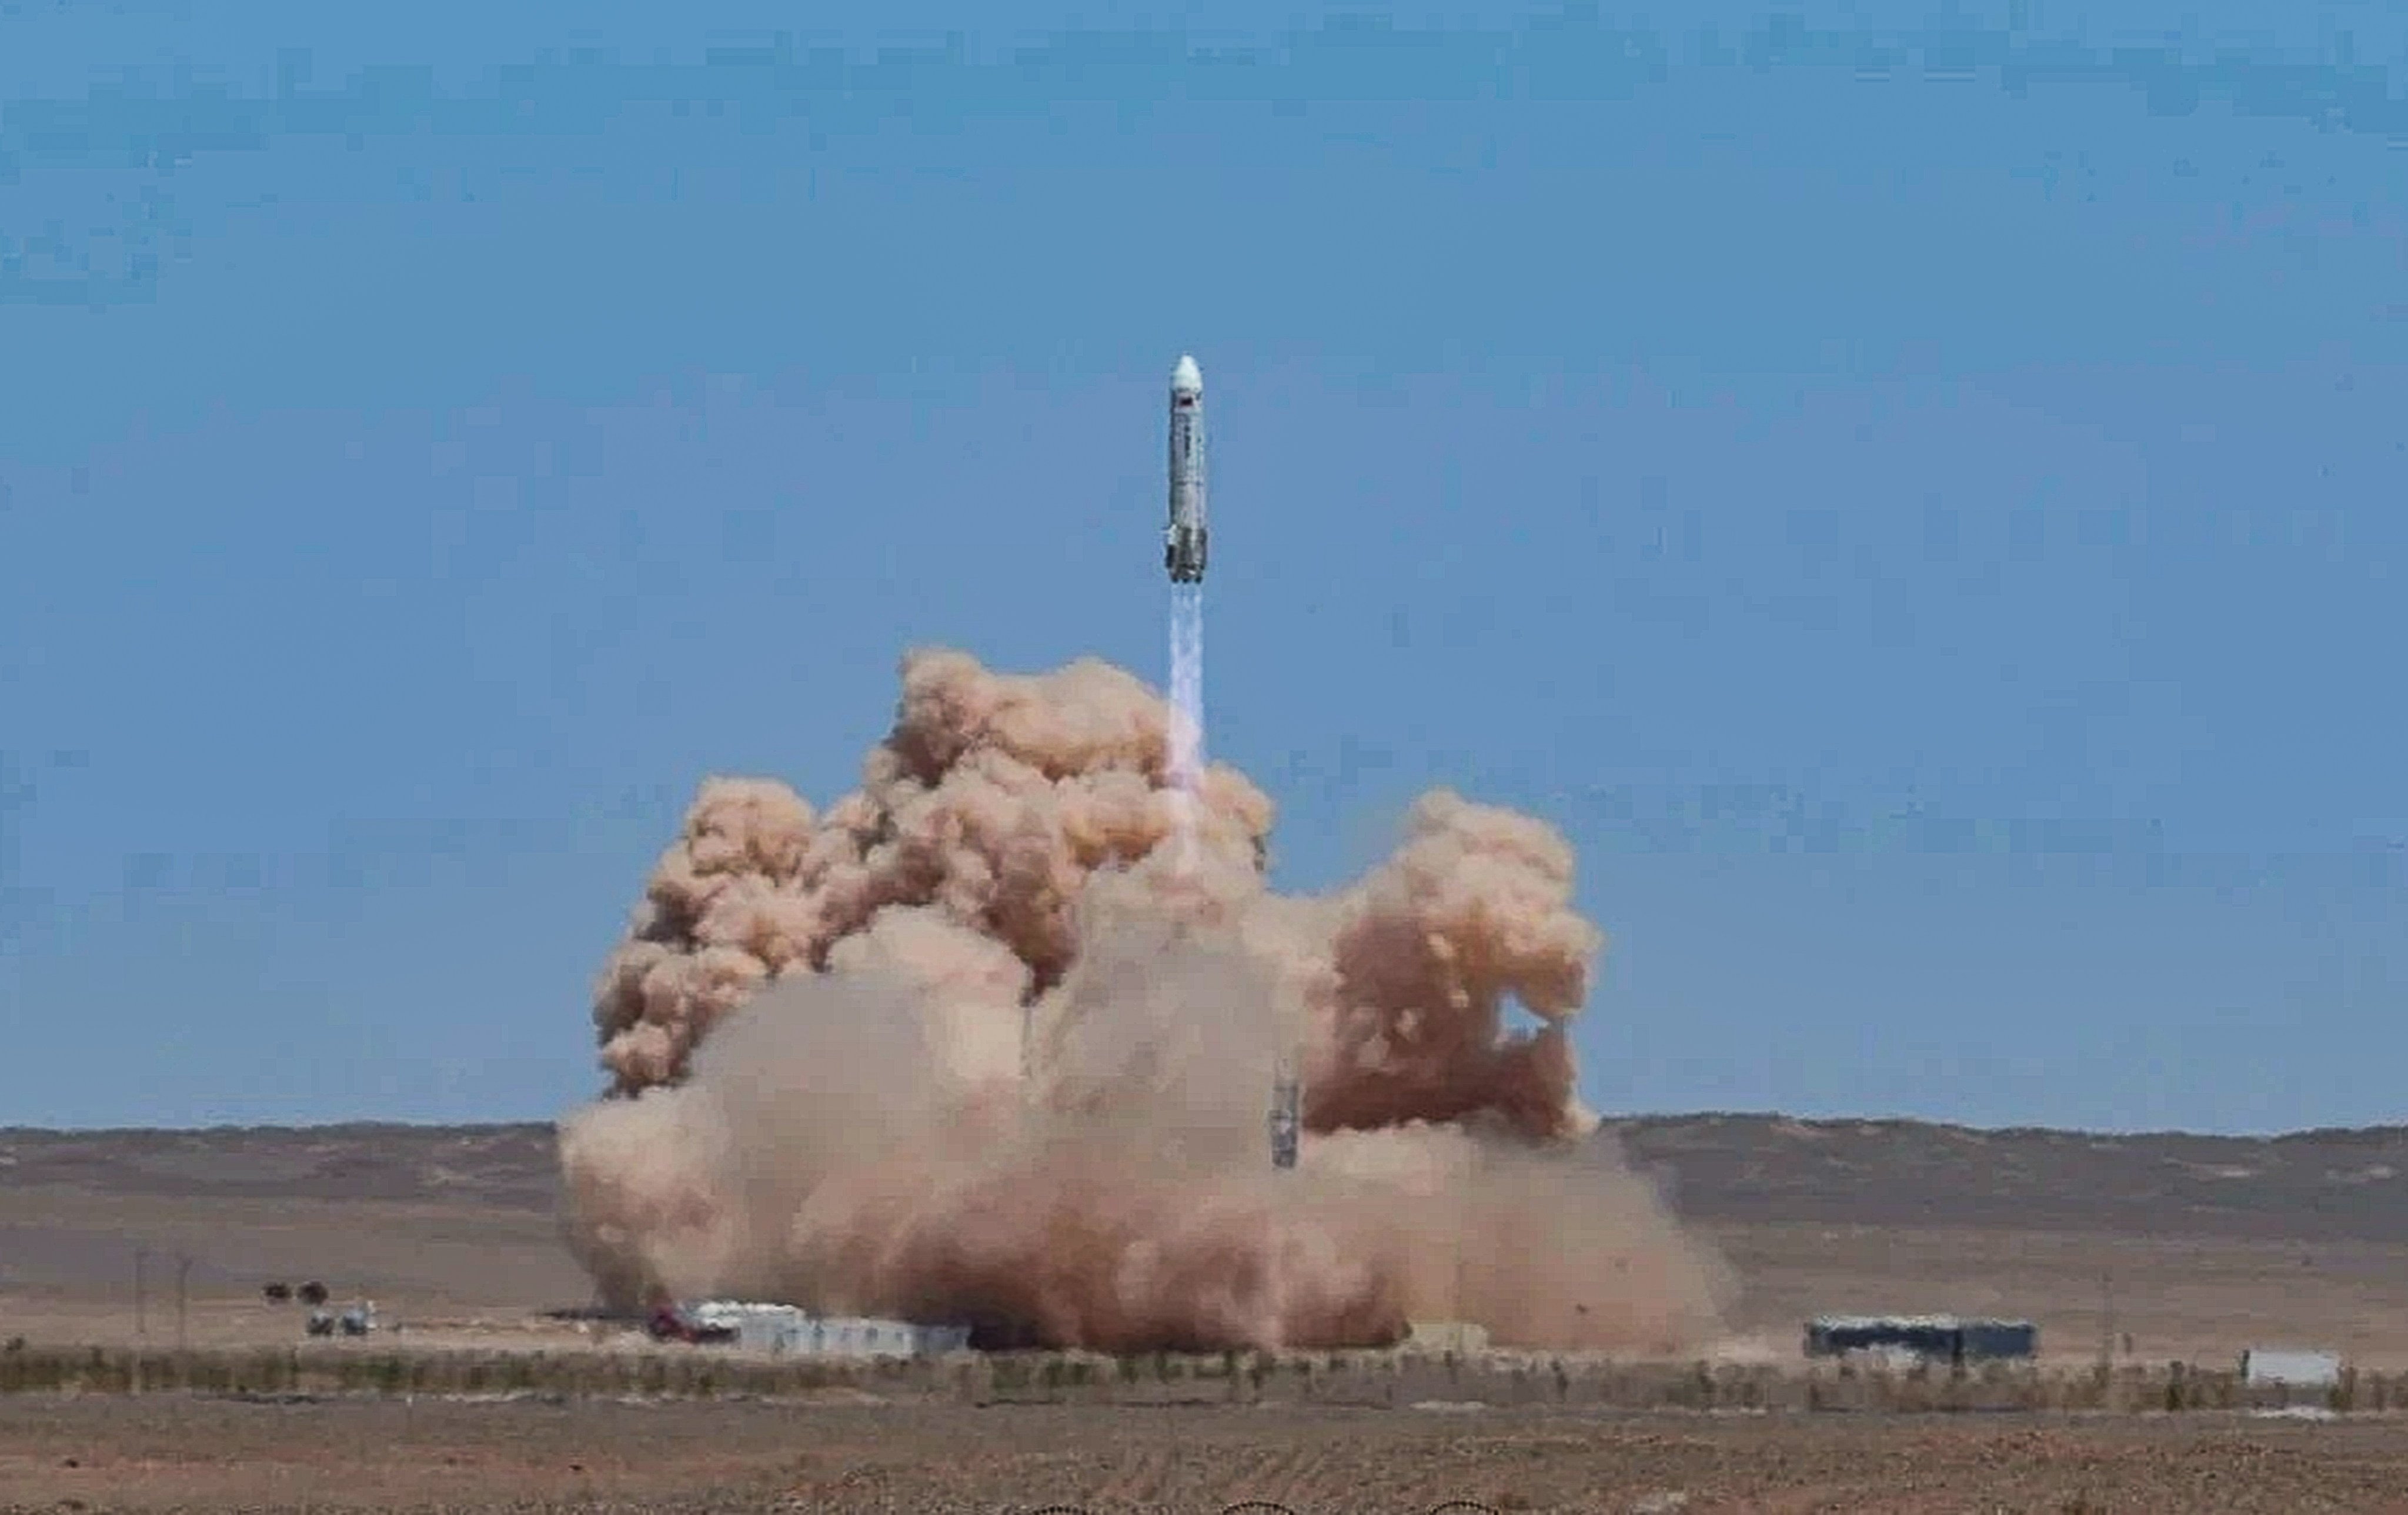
(785, 1331)
(1940, 1338)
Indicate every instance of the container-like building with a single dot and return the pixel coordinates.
(1943, 1338)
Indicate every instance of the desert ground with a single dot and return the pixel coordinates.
(195, 1456)
(2165, 1247)
(2193, 1247)
(2172, 1247)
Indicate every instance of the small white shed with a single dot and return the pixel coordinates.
(2290, 1367)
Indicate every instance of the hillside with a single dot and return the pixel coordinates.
(504, 1165)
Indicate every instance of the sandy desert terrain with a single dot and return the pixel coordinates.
(203, 1455)
(435, 1225)
(2194, 1247)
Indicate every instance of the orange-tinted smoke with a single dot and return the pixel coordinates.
(969, 1047)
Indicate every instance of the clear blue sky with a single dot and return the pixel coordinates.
(1916, 499)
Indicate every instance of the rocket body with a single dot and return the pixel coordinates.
(1182, 545)
(1285, 1123)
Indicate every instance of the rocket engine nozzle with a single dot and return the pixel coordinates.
(1183, 555)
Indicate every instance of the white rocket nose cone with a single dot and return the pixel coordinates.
(1187, 378)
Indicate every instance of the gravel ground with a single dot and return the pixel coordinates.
(214, 1455)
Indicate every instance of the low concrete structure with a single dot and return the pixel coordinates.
(1462, 1337)
(1938, 1338)
(783, 1330)
(2290, 1367)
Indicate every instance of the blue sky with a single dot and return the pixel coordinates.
(1912, 496)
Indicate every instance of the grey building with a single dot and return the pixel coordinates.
(1943, 1338)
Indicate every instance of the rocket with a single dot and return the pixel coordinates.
(1284, 1115)
(1183, 542)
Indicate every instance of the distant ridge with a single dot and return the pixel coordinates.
(1672, 1120)
(329, 1128)
(2329, 1184)
(509, 1166)
(2332, 1184)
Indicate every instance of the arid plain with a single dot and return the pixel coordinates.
(2161, 1247)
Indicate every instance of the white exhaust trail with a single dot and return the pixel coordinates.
(1187, 713)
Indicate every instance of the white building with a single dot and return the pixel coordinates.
(783, 1330)
(2301, 1369)
(1462, 1337)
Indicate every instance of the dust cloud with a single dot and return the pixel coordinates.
(971, 1045)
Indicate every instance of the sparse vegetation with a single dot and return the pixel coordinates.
(1340, 1378)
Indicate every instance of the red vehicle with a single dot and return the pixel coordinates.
(671, 1322)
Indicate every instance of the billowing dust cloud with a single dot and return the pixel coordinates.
(974, 1045)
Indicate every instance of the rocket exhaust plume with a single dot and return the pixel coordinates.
(1186, 712)
(970, 1046)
